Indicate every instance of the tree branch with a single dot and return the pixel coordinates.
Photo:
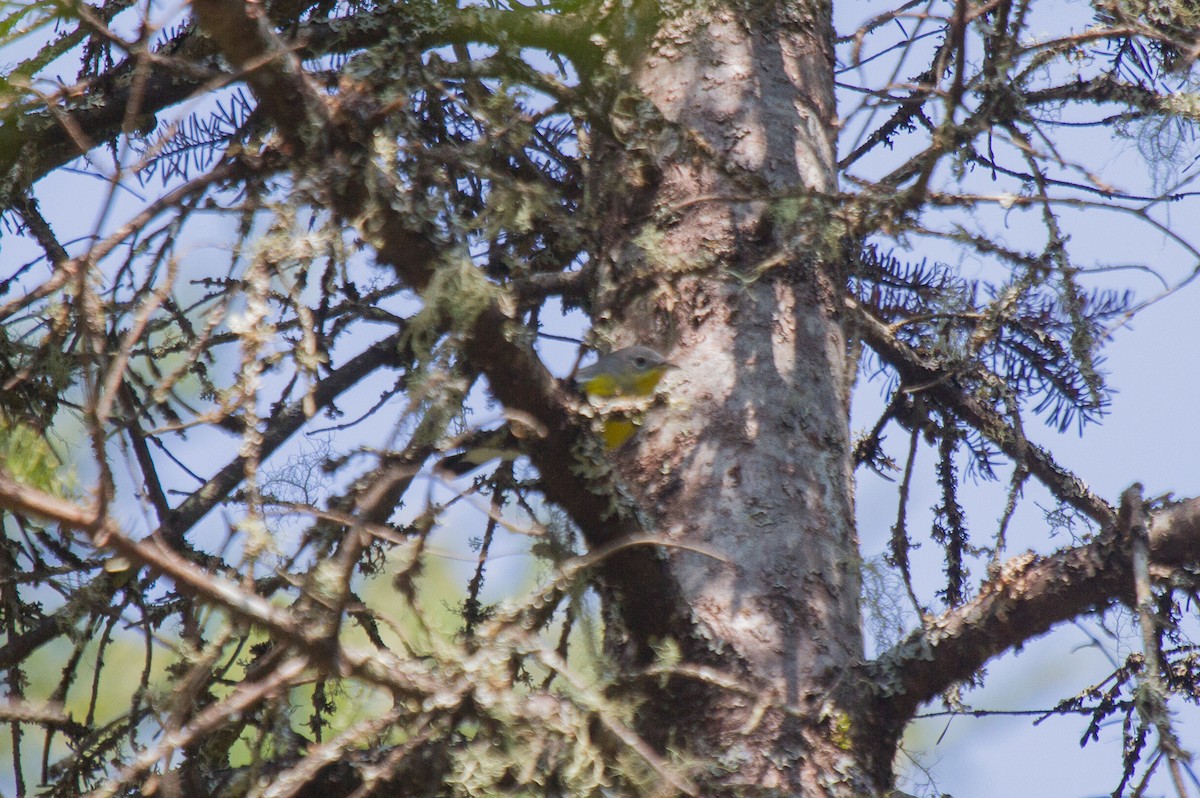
(1029, 596)
(387, 352)
(33, 143)
(245, 37)
(493, 340)
(1103, 90)
(281, 427)
(944, 388)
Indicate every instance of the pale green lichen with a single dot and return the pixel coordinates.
(28, 457)
(840, 728)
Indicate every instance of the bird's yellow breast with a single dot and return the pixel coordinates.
(633, 372)
(637, 383)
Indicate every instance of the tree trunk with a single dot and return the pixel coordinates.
(750, 462)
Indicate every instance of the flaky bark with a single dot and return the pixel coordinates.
(492, 339)
(712, 181)
(1026, 599)
(750, 461)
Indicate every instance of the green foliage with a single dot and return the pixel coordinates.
(510, 139)
(27, 455)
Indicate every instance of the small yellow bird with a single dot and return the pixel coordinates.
(634, 371)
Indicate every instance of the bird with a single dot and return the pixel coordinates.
(634, 371)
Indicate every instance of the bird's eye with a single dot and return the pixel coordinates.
(640, 362)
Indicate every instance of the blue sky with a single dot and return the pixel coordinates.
(1150, 435)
